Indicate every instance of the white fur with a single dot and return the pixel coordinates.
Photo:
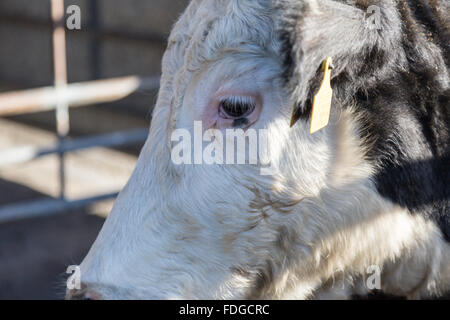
(215, 231)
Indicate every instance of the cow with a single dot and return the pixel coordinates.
(368, 191)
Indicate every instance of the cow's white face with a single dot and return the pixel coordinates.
(219, 230)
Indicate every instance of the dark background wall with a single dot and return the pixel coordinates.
(117, 38)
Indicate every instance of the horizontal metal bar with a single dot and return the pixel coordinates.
(74, 94)
(46, 207)
(23, 154)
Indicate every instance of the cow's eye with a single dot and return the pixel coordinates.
(236, 107)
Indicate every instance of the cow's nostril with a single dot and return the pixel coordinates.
(79, 296)
(82, 295)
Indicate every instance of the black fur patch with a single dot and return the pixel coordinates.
(398, 79)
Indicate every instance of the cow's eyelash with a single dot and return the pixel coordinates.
(236, 106)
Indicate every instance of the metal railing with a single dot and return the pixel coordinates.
(60, 98)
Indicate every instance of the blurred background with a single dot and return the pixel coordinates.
(59, 170)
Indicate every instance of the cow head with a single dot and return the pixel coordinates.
(221, 230)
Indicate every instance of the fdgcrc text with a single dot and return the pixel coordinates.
(252, 309)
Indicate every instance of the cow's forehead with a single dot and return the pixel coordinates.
(210, 27)
(244, 18)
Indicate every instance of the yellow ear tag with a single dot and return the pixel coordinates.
(322, 100)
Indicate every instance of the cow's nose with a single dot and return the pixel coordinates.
(82, 294)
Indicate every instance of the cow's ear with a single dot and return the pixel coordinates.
(313, 30)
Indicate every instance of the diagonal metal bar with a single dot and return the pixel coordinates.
(23, 154)
(47, 207)
(75, 94)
